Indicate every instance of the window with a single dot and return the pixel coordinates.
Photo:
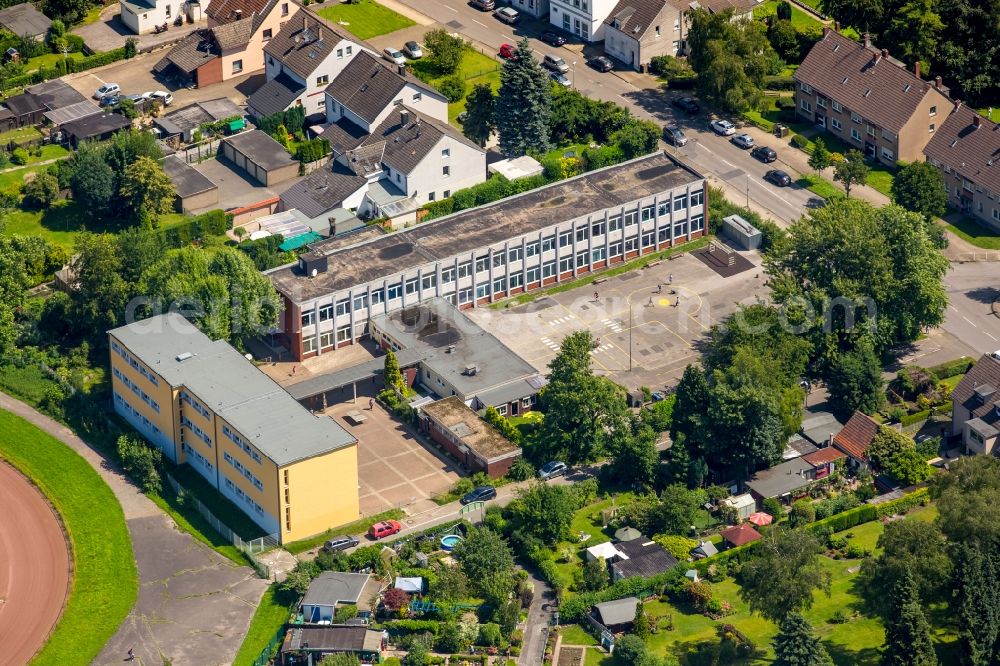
(417, 96)
(933, 111)
(680, 202)
(499, 259)
(308, 345)
(411, 286)
(515, 280)
(447, 193)
(657, 32)
(395, 290)
(284, 9)
(888, 136)
(647, 239)
(806, 88)
(871, 131)
(167, 11)
(806, 105)
(430, 196)
(631, 245)
(499, 285)
(447, 275)
(697, 198)
(343, 334)
(616, 249)
(565, 238)
(697, 223)
(647, 213)
(307, 319)
(614, 223)
(855, 134)
(237, 66)
(322, 80)
(996, 213)
(534, 274)
(581, 259)
(548, 243)
(887, 154)
(343, 306)
(465, 295)
(677, 25)
(835, 124)
(326, 312)
(821, 102)
(465, 270)
(855, 118)
(566, 265)
(597, 229)
(532, 249)
(514, 254)
(582, 234)
(267, 34)
(482, 264)
(482, 291)
(446, 152)
(548, 269)
(446, 171)
(429, 281)
(361, 302)
(930, 128)
(663, 209)
(349, 49)
(631, 217)
(598, 254)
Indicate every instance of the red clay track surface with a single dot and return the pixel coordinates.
(34, 568)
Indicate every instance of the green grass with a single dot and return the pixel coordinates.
(598, 657)
(995, 116)
(105, 584)
(357, 527)
(574, 634)
(49, 60)
(269, 617)
(821, 186)
(20, 135)
(28, 383)
(216, 502)
(972, 232)
(365, 20)
(476, 68)
(881, 179)
(801, 21)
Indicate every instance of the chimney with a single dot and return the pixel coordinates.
(958, 104)
(916, 69)
(885, 53)
(402, 70)
(836, 26)
(239, 14)
(319, 31)
(976, 121)
(937, 81)
(868, 41)
(404, 118)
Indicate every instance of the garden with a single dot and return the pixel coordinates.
(364, 18)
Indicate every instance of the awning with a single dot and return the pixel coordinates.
(296, 242)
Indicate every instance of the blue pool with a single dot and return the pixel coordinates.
(449, 542)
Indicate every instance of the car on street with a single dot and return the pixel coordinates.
(161, 96)
(483, 5)
(384, 529)
(686, 104)
(508, 52)
(552, 38)
(560, 78)
(107, 89)
(340, 543)
(393, 55)
(601, 63)
(479, 494)
(778, 177)
(744, 141)
(764, 154)
(555, 63)
(413, 50)
(110, 100)
(507, 15)
(673, 135)
(550, 470)
(722, 127)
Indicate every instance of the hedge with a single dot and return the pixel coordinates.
(869, 512)
(573, 609)
(779, 83)
(401, 627)
(957, 367)
(312, 150)
(494, 189)
(212, 223)
(81, 65)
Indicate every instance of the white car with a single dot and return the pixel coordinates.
(161, 96)
(107, 90)
(723, 127)
(394, 55)
(744, 141)
(413, 50)
(560, 78)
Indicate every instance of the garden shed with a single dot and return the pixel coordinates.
(193, 189)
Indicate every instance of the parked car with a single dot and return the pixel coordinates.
(555, 63)
(508, 52)
(110, 100)
(744, 141)
(384, 529)
(601, 63)
(560, 78)
(340, 543)
(552, 38)
(413, 50)
(686, 104)
(673, 135)
(507, 15)
(135, 99)
(162, 96)
(722, 127)
(483, 5)
(480, 494)
(394, 55)
(107, 89)
(550, 470)
(778, 177)
(764, 154)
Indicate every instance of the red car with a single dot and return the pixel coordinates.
(384, 529)
(508, 52)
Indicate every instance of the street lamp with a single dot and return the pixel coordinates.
(630, 335)
(573, 82)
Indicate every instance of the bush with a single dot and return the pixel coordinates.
(453, 88)
(952, 368)
(779, 83)
(142, 462)
(40, 191)
(603, 156)
(312, 150)
(772, 506)
(799, 141)
(521, 470)
(19, 156)
(856, 551)
(212, 223)
(784, 11)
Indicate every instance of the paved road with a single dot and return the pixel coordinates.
(705, 151)
(972, 289)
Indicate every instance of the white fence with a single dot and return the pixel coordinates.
(248, 548)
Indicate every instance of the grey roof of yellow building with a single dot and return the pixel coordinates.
(232, 387)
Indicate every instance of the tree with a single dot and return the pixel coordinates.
(919, 188)
(784, 39)
(297, 582)
(691, 404)
(391, 374)
(855, 380)
(915, 29)
(524, 104)
(100, 292)
(820, 157)
(131, 48)
(502, 425)
(637, 137)
(488, 564)
(630, 649)
(480, 114)
(595, 575)
(797, 645)
(453, 88)
(907, 634)
(93, 180)
(967, 497)
(640, 625)
(851, 171)
(543, 512)
(40, 191)
(634, 457)
(802, 513)
(773, 507)
(675, 512)
(977, 602)
(783, 574)
(417, 656)
(147, 190)
(446, 50)
(142, 462)
(395, 599)
(909, 547)
(896, 454)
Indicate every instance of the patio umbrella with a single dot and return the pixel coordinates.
(628, 534)
(760, 518)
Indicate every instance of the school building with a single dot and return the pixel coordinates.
(474, 257)
(201, 402)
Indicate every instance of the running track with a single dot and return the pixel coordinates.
(34, 568)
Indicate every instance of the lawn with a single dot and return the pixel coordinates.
(574, 634)
(821, 186)
(477, 67)
(801, 21)
(19, 135)
(49, 60)
(270, 616)
(994, 116)
(365, 20)
(104, 585)
(971, 231)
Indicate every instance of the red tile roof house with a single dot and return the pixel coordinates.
(825, 461)
(740, 535)
(976, 407)
(869, 100)
(855, 438)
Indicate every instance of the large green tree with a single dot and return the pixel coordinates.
(92, 181)
(147, 191)
(524, 104)
(895, 454)
(907, 634)
(446, 50)
(100, 293)
(854, 380)
(784, 573)
(919, 188)
(480, 110)
(977, 602)
(634, 457)
(851, 171)
(914, 31)
(543, 512)
(797, 645)
(488, 564)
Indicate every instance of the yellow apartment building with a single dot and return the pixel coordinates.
(202, 403)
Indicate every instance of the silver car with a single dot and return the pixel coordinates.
(560, 78)
(744, 141)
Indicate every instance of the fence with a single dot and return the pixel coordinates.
(265, 655)
(248, 548)
(309, 167)
(202, 151)
(964, 257)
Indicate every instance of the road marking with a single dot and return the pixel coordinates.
(612, 324)
(450, 8)
(482, 24)
(602, 348)
(991, 336)
(952, 307)
(550, 344)
(970, 321)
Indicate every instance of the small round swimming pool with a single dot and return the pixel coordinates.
(449, 542)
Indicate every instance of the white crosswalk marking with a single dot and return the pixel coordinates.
(612, 324)
(602, 348)
(550, 344)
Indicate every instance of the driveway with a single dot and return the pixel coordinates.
(108, 32)
(194, 605)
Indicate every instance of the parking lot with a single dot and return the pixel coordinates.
(645, 334)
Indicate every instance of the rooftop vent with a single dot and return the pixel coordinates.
(450, 349)
(845, 80)
(983, 392)
(471, 370)
(183, 356)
